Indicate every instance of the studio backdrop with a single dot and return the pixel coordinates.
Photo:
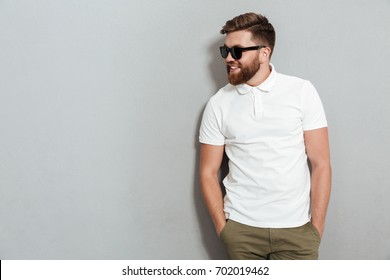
(100, 107)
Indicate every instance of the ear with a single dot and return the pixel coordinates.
(265, 54)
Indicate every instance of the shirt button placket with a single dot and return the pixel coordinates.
(258, 104)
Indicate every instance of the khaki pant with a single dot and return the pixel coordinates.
(244, 242)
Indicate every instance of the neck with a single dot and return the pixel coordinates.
(260, 76)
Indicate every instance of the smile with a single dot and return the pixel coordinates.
(232, 68)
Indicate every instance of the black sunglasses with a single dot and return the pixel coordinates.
(236, 52)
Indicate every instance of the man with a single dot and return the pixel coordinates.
(268, 124)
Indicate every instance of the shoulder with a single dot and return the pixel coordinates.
(294, 85)
(291, 81)
(225, 91)
(223, 95)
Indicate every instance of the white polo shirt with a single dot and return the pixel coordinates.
(262, 127)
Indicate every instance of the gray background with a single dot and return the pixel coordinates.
(100, 106)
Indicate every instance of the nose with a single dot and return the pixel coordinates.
(229, 57)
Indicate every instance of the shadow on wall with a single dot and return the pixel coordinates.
(210, 240)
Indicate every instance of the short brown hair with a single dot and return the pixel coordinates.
(257, 24)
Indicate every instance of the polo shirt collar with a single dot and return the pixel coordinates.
(264, 86)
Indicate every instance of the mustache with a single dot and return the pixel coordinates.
(230, 64)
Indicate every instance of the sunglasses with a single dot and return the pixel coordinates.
(236, 52)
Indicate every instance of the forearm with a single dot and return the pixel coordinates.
(212, 195)
(320, 194)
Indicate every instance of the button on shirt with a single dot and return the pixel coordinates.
(262, 128)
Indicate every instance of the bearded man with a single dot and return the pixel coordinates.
(270, 125)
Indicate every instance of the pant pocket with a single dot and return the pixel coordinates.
(315, 231)
(223, 232)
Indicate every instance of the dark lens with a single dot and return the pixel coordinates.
(224, 51)
(236, 53)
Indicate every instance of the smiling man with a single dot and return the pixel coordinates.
(269, 125)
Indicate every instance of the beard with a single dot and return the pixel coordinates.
(244, 74)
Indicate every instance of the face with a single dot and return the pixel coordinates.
(244, 69)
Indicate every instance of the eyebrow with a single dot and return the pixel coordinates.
(235, 46)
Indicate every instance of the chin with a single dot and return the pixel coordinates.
(234, 80)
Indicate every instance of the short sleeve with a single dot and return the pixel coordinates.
(210, 129)
(313, 111)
